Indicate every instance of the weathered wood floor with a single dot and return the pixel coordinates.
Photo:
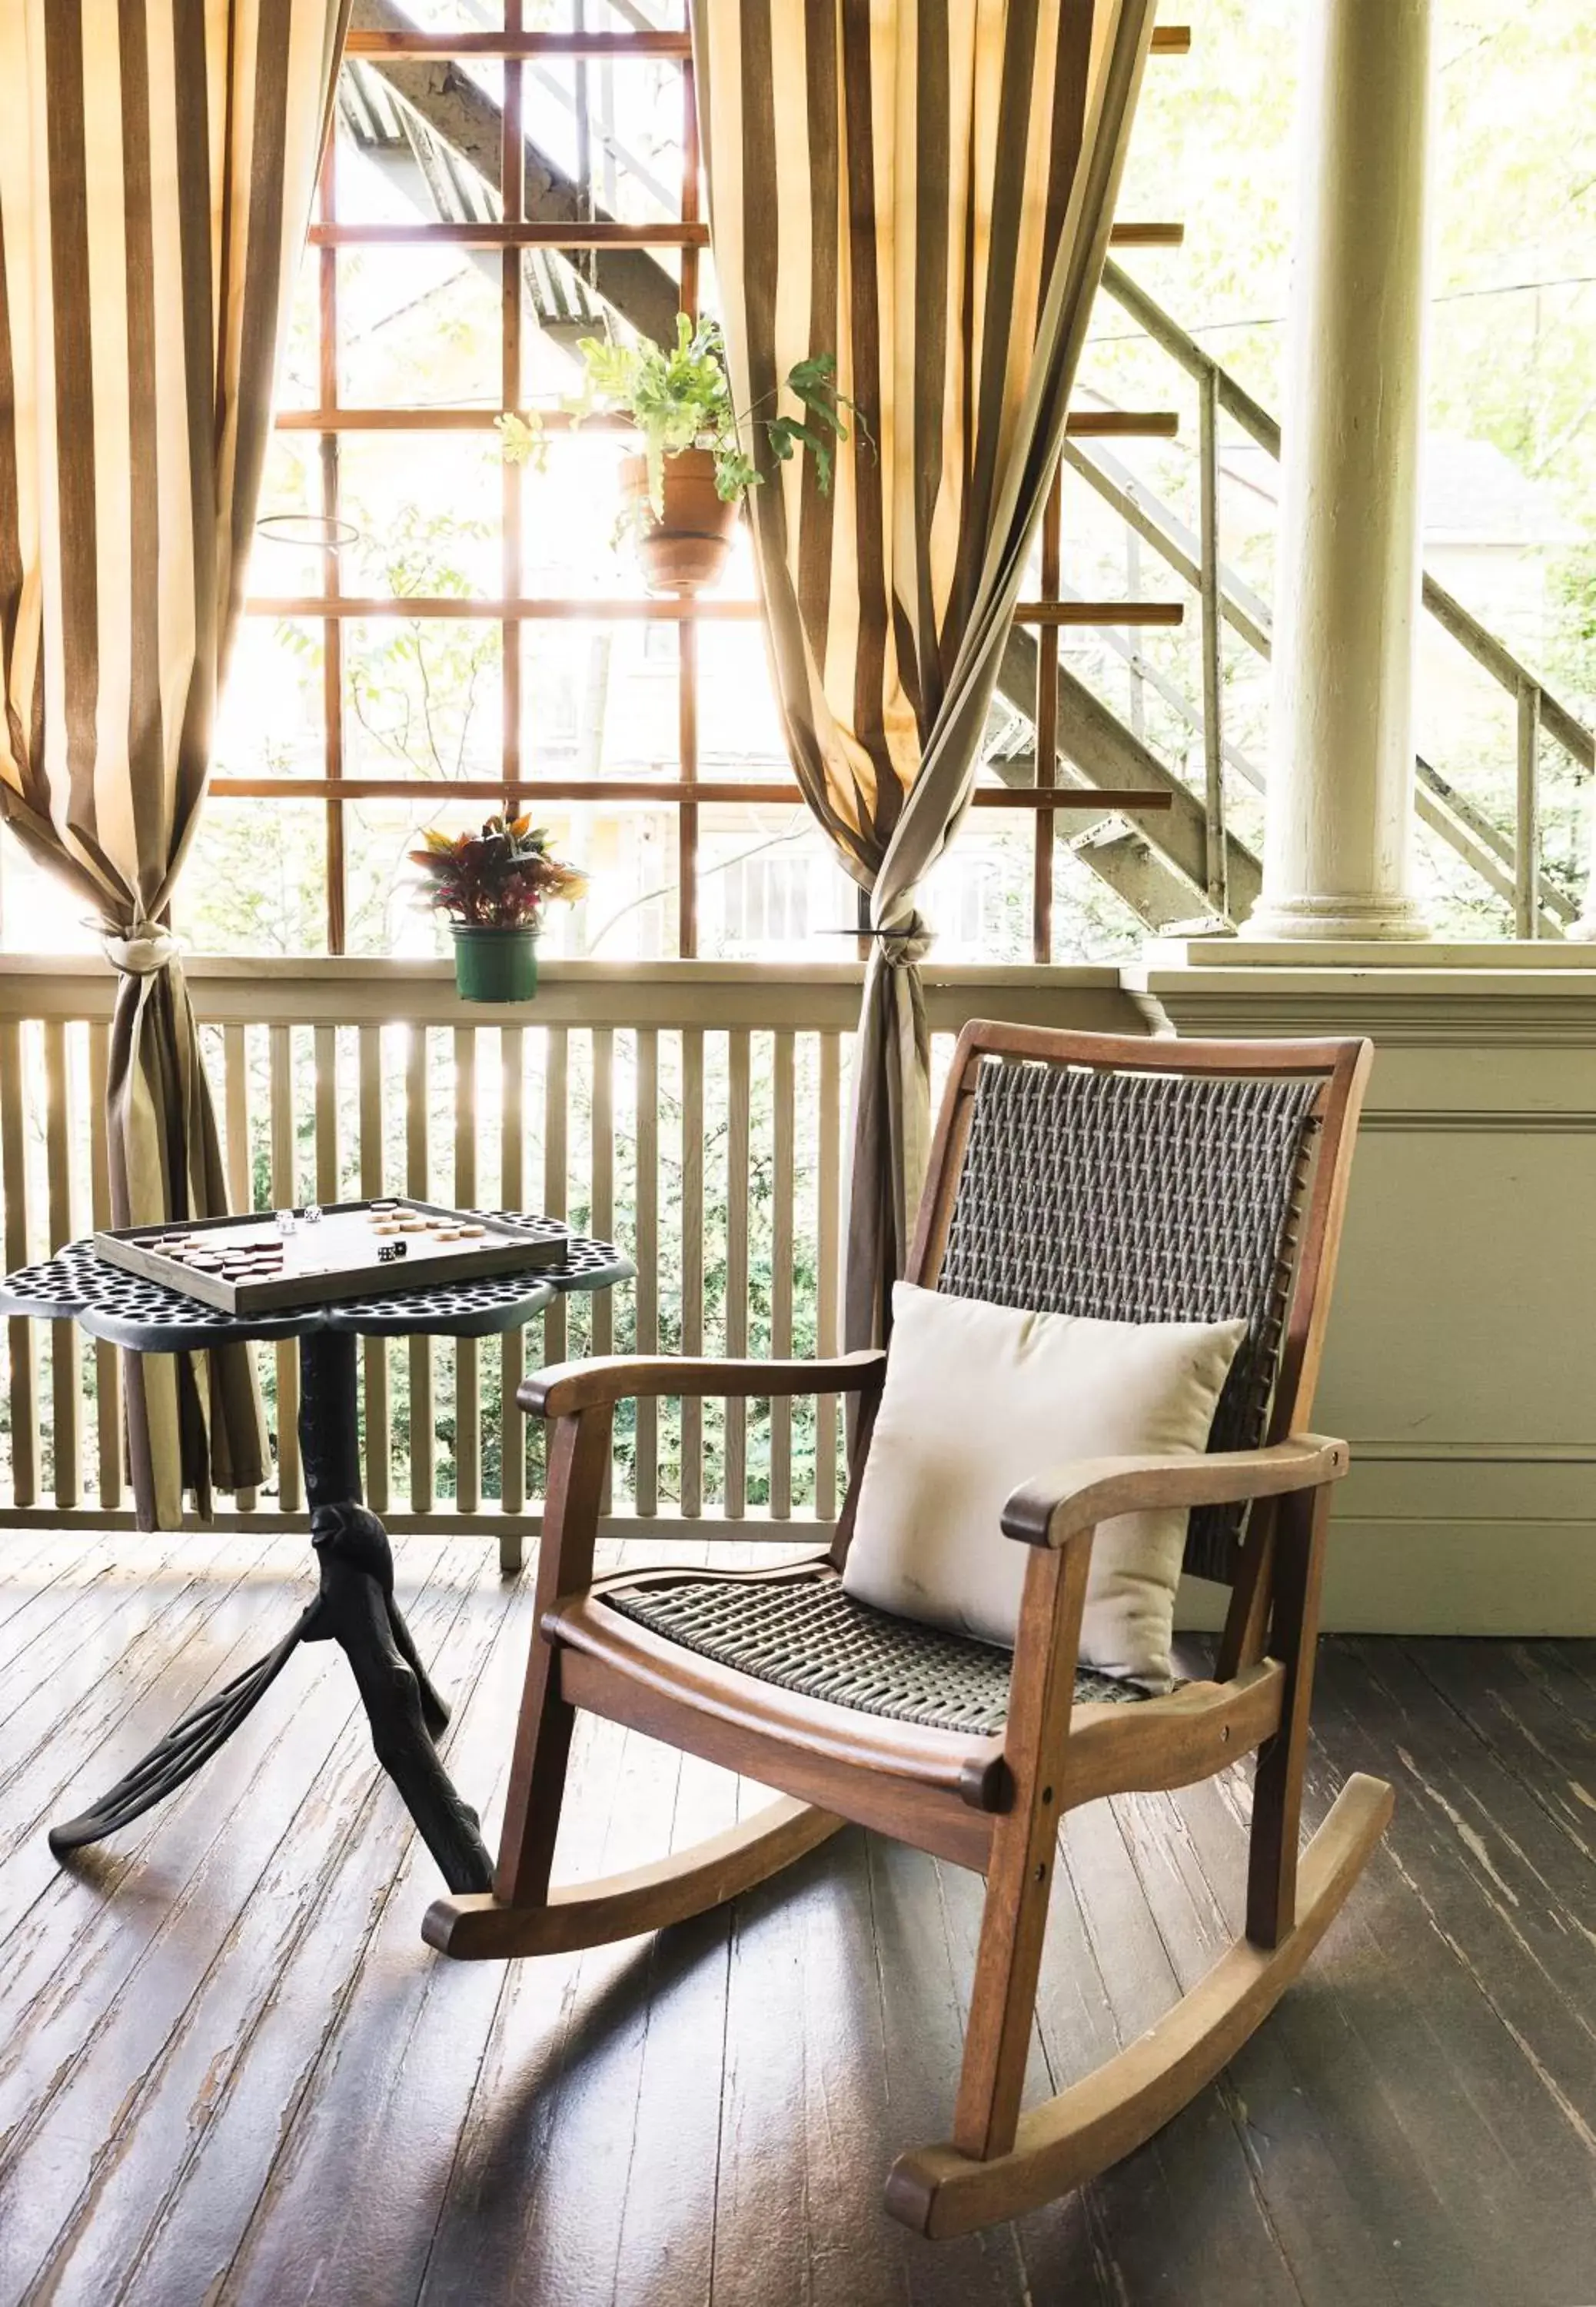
(230, 2072)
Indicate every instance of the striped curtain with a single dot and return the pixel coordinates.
(926, 193)
(157, 164)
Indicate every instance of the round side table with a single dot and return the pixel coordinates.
(355, 1606)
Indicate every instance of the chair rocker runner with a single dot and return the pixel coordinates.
(1133, 1180)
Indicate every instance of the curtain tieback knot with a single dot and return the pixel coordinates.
(905, 944)
(144, 950)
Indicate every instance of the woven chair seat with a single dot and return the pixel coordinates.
(804, 1634)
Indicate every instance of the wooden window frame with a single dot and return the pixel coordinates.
(513, 48)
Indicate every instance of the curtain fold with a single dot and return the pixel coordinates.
(926, 193)
(158, 160)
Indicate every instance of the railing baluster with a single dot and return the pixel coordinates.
(284, 1196)
(737, 1118)
(556, 1141)
(327, 1114)
(601, 1197)
(646, 1484)
(512, 1196)
(241, 1187)
(417, 1167)
(20, 1335)
(107, 1360)
(692, 1260)
(1213, 636)
(468, 1465)
(374, 1350)
(602, 1201)
(235, 1101)
(782, 1255)
(1526, 853)
(828, 1252)
(66, 1381)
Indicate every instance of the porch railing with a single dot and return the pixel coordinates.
(695, 1112)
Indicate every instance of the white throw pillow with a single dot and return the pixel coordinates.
(980, 1398)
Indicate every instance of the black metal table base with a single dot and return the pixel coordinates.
(355, 1608)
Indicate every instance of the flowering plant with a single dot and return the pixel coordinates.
(498, 878)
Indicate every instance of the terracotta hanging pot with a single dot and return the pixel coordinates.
(688, 548)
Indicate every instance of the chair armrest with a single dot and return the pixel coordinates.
(1050, 1509)
(572, 1386)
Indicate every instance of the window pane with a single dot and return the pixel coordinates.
(569, 512)
(769, 888)
(423, 697)
(610, 128)
(271, 723)
(298, 384)
(256, 879)
(381, 915)
(286, 554)
(615, 16)
(419, 327)
(1091, 923)
(419, 140)
(41, 911)
(576, 539)
(739, 729)
(454, 15)
(977, 897)
(629, 853)
(428, 508)
(598, 698)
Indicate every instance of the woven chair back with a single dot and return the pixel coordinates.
(1135, 1195)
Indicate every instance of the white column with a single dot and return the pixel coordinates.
(1340, 798)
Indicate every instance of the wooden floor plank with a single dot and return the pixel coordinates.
(32, 1561)
(82, 1726)
(1056, 2246)
(922, 2021)
(1503, 1889)
(75, 1930)
(847, 2114)
(71, 1621)
(553, 2015)
(1191, 1858)
(1519, 1720)
(577, 2195)
(675, 2137)
(120, 2123)
(761, 2223)
(1353, 2076)
(295, 2105)
(230, 2072)
(1196, 2161)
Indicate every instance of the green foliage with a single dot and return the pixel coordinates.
(678, 397)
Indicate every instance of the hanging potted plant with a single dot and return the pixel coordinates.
(682, 491)
(492, 886)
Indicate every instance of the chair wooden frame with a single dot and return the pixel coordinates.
(994, 1803)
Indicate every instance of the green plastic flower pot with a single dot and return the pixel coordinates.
(496, 965)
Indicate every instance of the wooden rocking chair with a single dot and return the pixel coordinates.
(1128, 1179)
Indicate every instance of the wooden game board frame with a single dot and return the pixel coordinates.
(509, 1247)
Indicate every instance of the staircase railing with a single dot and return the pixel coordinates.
(1511, 867)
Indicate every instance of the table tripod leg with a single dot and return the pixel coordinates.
(186, 1746)
(356, 1609)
